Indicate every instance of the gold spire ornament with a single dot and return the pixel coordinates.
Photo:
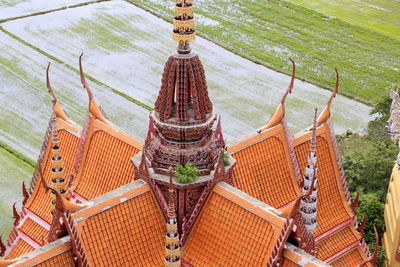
(172, 247)
(184, 32)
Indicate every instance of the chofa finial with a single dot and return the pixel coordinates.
(326, 113)
(93, 107)
(57, 109)
(279, 114)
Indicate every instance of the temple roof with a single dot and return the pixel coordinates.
(57, 253)
(264, 167)
(105, 163)
(233, 229)
(121, 227)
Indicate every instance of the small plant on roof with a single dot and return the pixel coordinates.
(225, 159)
(187, 173)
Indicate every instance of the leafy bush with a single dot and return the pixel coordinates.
(186, 174)
(368, 161)
(225, 158)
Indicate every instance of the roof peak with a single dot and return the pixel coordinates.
(183, 31)
(57, 109)
(94, 109)
(326, 113)
(279, 114)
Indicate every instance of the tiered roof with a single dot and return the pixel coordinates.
(123, 222)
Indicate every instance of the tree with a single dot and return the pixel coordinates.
(186, 174)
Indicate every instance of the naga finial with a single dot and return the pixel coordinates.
(279, 114)
(326, 113)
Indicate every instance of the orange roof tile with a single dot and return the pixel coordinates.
(336, 242)
(233, 229)
(351, 259)
(18, 249)
(57, 253)
(35, 231)
(64, 259)
(40, 201)
(331, 207)
(264, 168)
(106, 161)
(123, 227)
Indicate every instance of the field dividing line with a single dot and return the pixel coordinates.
(52, 10)
(89, 77)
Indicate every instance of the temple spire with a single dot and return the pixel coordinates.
(279, 114)
(184, 32)
(172, 248)
(308, 205)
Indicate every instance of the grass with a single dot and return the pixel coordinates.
(14, 169)
(377, 15)
(17, 154)
(268, 32)
(88, 77)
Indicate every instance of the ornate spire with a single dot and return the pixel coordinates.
(93, 107)
(308, 205)
(57, 109)
(184, 32)
(326, 113)
(279, 114)
(172, 248)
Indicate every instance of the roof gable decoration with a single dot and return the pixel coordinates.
(326, 112)
(372, 259)
(57, 109)
(308, 204)
(172, 246)
(279, 114)
(94, 109)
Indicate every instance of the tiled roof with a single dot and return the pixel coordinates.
(20, 248)
(331, 209)
(64, 259)
(264, 168)
(57, 253)
(336, 242)
(35, 231)
(123, 227)
(233, 229)
(351, 259)
(40, 201)
(106, 162)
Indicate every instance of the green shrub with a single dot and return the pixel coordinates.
(225, 158)
(186, 174)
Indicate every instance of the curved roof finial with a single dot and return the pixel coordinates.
(280, 111)
(16, 215)
(93, 107)
(326, 113)
(58, 110)
(372, 259)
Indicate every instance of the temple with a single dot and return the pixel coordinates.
(98, 197)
